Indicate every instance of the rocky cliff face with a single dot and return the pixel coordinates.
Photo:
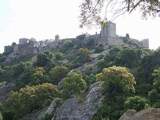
(72, 109)
(5, 89)
(148, 114)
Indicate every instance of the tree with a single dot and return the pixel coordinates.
(117, 81)
(21, 73)
(154, 94)
(83, 55)
(57, 73)
(118, 85)
(44, 60)
(39, 75)
(92, 9)
(1, 117)
(145, 70)
(138, 103)
(73, 84)
(28, 99)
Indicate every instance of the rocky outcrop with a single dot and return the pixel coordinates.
(51, 110)
(74, 109)
(5, 89)
(148, 114)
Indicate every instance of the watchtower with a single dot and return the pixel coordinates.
(108, 33)
(108, 30)
(23, 41)
(145, 43)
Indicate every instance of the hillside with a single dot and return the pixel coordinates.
(90, 77)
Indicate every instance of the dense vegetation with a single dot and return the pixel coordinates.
(130, 77)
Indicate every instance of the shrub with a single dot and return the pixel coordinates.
(57, 73)
(138, 103)
(117, 80)
(1, 117)
(118, 84)
(28, 99)
(154, 94)
(73, 84)
(39, 75)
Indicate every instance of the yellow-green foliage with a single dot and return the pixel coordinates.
(117, 76)
(57, 73)
(38, 74)
(73, 84)
(30, 98)
(137, 102)
(84, 54)
(118, 84)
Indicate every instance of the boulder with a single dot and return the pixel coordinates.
(5, 89)
(74, 109)
(147, 114)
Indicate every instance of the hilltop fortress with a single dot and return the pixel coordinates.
(106, 37)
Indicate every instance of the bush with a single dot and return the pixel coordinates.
(57, 73)
(28, 99)
(39, 75)
(154, 94)
(138, 103)
(118, 83)
(44, 60)
(73, 84)
(1, 117)
(117, 80)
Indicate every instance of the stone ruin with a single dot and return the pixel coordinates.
(106, 37)
(146, 114)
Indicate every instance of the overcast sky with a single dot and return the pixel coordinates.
(42, 19)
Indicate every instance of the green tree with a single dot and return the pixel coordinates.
(91, 10)
(58, 56)
(118, 85)
(39, 75)
(1, 117)
(138, 103)
(154, 94)
(58, 73)
(73, 84)
(44, 60)
(82, 56)
(21, 73)
(28, 99)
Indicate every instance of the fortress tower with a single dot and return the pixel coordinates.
(108, 37)
(23, 41)
(108, 30)
(108, 34)
(145, 43)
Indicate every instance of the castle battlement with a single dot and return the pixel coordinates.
(108, 36)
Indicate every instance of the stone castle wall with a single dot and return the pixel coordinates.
(107, 37)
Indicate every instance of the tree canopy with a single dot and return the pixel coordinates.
(91, 10)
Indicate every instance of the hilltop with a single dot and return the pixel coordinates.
(106, 38)
(90, 77)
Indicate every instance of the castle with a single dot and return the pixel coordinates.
(106, 37)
